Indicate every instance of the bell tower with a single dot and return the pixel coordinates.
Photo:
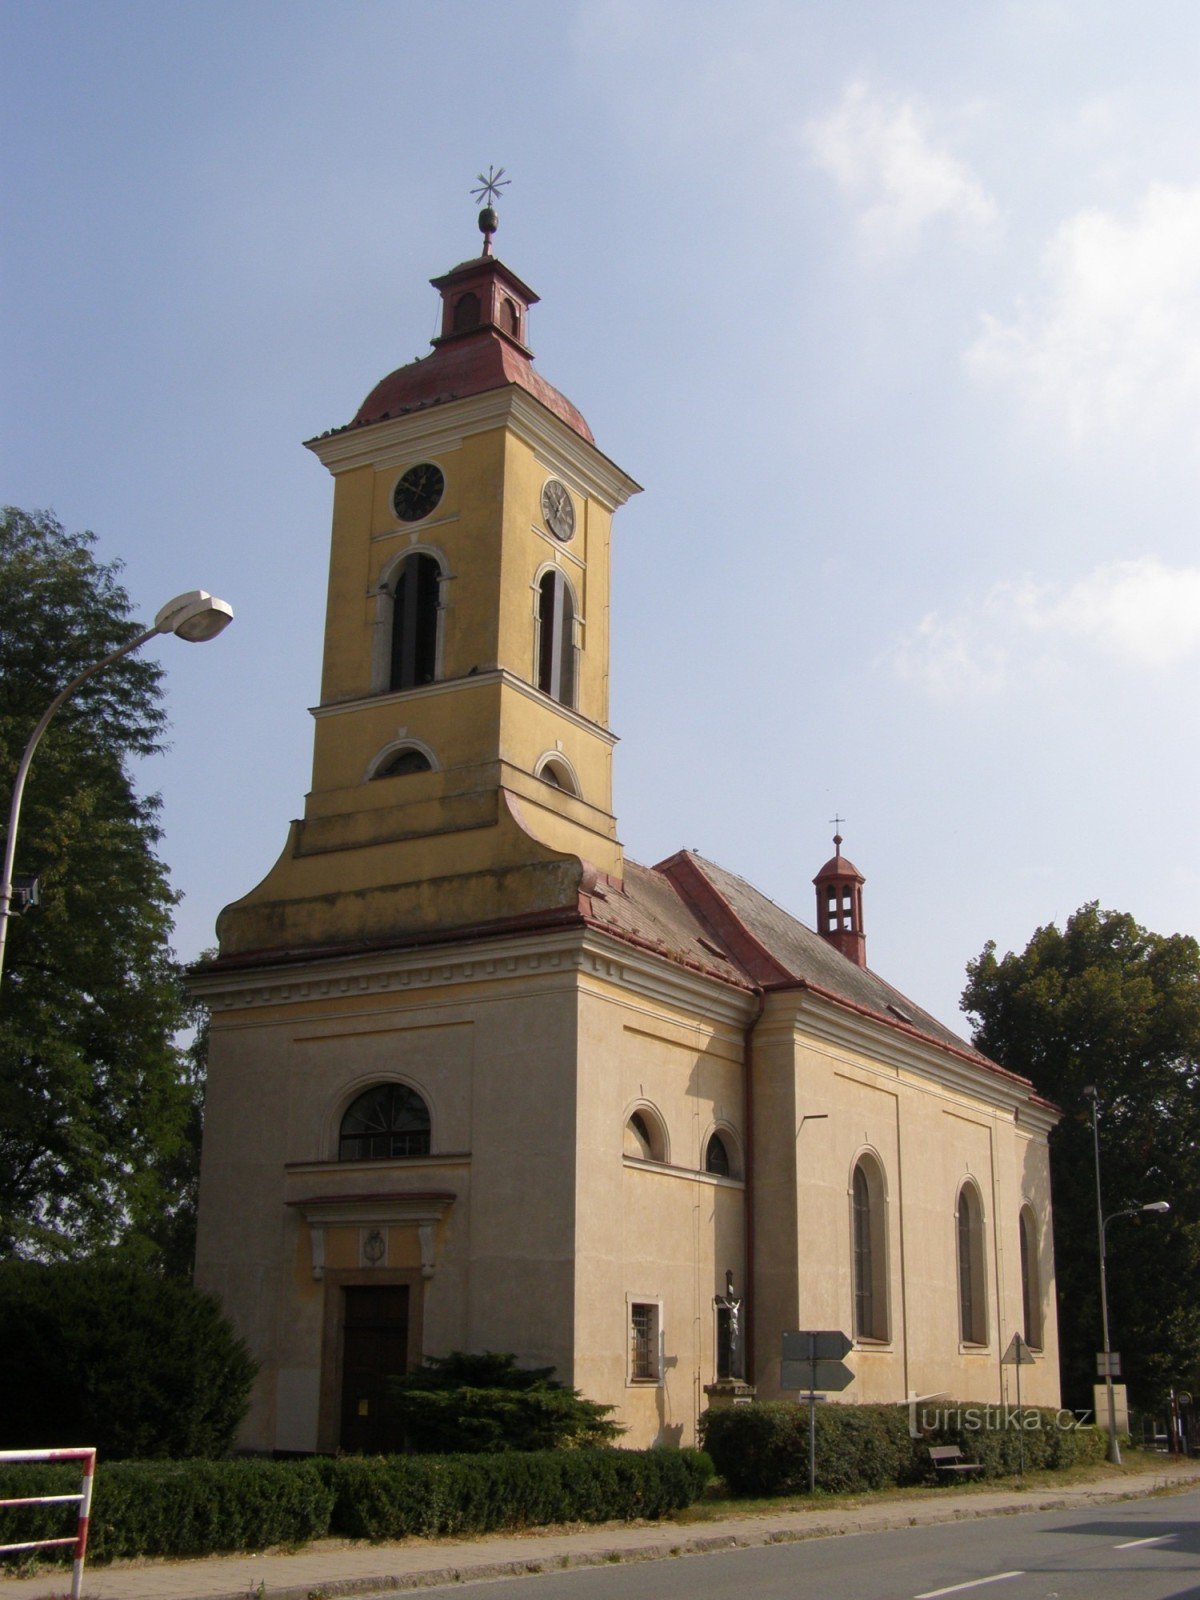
(462, 764)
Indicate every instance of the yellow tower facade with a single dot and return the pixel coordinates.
(462, 767)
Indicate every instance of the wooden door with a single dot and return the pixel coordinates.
(374, 1349)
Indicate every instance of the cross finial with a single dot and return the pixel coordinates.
(837, 828)
(489, 190)
(490, 187)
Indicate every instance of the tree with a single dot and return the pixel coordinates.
(95, 1099)
(1106, 1003)
(113, 1354)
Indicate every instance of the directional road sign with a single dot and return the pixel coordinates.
(833, 1375)
(808, 1344)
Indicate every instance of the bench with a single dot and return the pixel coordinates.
(949, 1458)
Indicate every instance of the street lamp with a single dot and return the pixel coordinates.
(195, 616)
(1158, 1206)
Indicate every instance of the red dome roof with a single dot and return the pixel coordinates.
(485, 361)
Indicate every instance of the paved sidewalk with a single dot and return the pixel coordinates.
(335, 1567)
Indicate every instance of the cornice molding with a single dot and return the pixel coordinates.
(477, 680)
(826, 1020)
(444, 425)
(579, 952)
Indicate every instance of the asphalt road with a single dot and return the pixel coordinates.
(1138, 1550)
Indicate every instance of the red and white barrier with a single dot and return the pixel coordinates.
(83, 1499)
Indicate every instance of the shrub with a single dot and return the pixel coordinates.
(398, 1497)
(993, 1436)
(466, 1403)
(175, 1508)
(112, 1355)
(763, 1448)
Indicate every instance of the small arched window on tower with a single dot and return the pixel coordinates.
(403, 763)
(510, 318)
(1031, 1287)
(466, 312)
(870, 1250)
(415, 623)
(972, 1296)
(556, 637)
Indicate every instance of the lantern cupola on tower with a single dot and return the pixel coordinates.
(839, 887)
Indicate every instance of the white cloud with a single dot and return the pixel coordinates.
(882, 155)
(1114, 345)
(1140, 614)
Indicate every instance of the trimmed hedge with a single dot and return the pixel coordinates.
(174, 1508)
(762, 1448)
(197, 1508)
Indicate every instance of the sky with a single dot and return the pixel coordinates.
(894, 310)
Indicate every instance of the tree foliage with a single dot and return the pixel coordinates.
(467, 1403)
(113, 1355)
(1105, 1003)
(96, 1101)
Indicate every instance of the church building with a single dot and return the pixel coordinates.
(477, 1081)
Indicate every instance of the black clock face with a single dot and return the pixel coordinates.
(558, 509)
(418, 492)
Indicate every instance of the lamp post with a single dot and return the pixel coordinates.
(1158, 1206)
(195, 616)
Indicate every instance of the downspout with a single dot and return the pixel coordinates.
(748, 1175)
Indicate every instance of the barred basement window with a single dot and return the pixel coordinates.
(643, 1342)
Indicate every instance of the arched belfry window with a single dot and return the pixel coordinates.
(869, 1241)
(1031, 1284)
(416, 596)
(972, 1294)
(384, 1123)
(466, 312)
(556, 637)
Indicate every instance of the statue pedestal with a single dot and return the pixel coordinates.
(729, 1392)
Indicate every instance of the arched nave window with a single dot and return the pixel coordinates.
(1031, 1287)
(868, 1209)
(384, 1123)
(972, 1295)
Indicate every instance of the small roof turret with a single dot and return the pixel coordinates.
(839, 886)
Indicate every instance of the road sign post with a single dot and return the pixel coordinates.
(812, 1360)
(1018, 1355)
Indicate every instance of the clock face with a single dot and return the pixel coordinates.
(558, 509)
(418, 492)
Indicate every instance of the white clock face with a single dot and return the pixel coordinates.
(558, 509)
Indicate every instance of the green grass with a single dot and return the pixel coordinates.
(717, 1502)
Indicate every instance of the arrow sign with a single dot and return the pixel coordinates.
(807, 1344)
(831, 1375)
(1018, 1353)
